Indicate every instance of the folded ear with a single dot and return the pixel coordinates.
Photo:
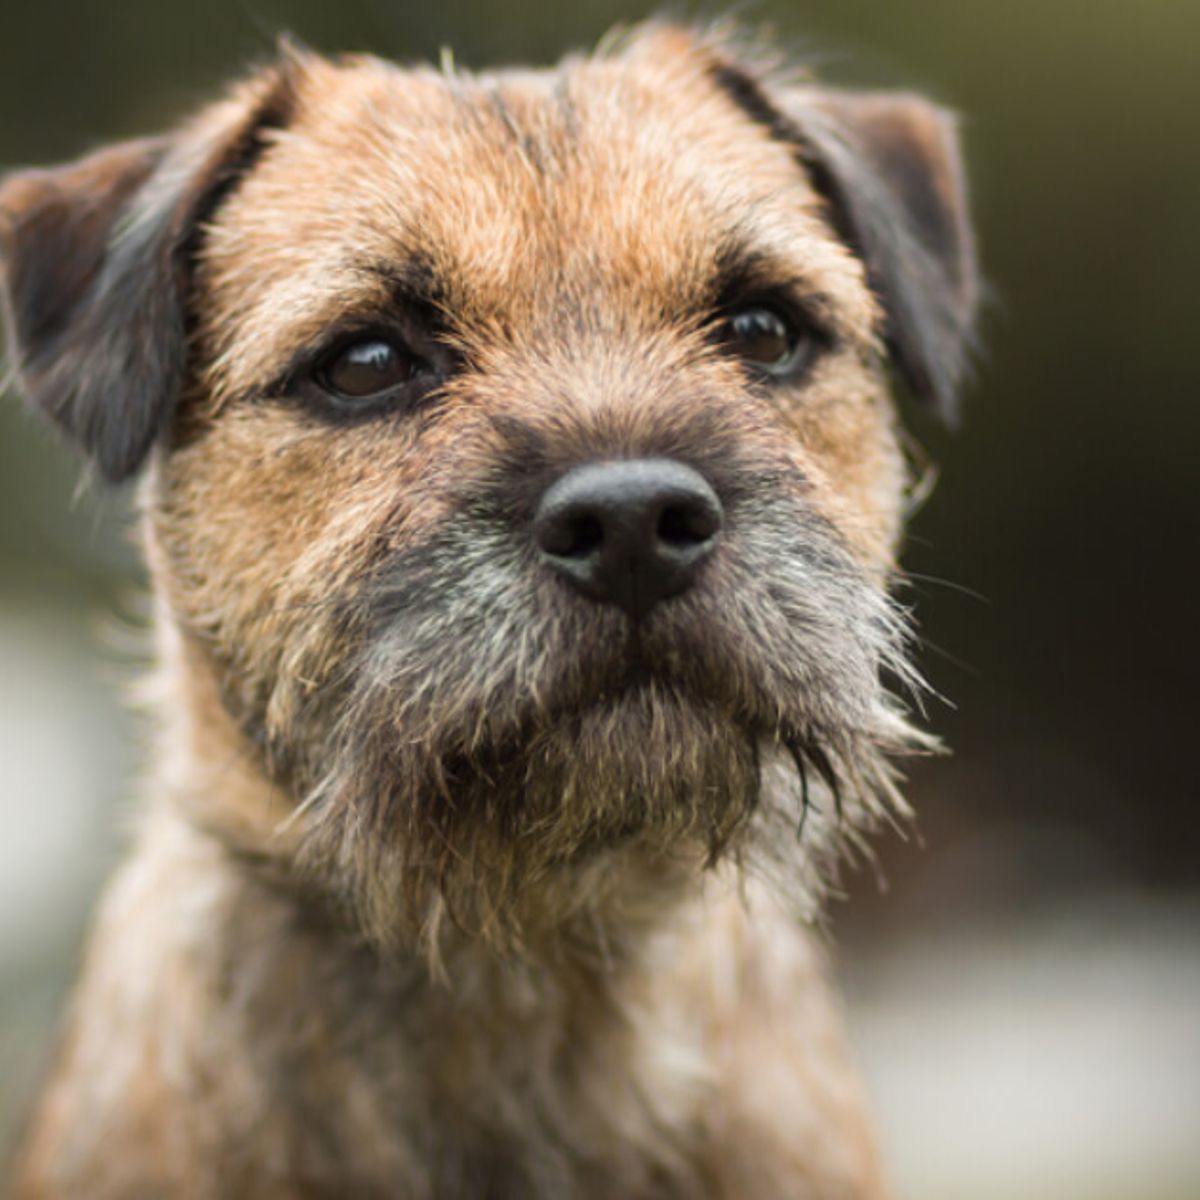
(889, 167)
(94, 270)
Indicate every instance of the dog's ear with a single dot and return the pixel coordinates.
(889, 168)
(94, 270)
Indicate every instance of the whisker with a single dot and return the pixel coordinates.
(962, 589)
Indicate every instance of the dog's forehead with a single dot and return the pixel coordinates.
(616, 186)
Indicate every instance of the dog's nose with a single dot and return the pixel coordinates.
(629, 533)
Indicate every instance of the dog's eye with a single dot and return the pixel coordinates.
(765, 340)
(368, 368)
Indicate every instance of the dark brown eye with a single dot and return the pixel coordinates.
(363, 370)
(765, 340)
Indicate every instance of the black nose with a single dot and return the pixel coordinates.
(628, 533)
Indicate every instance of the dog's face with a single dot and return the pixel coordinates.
(523, 472)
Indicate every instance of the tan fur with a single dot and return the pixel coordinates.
(431, 905)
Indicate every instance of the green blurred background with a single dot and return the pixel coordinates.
(1026, 994)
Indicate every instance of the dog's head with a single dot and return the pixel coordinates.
(522, 470)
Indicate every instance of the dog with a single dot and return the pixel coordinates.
(521, 486)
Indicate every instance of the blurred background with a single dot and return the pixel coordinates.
(1025, 994)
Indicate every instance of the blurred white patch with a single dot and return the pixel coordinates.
(1057, 1058)
(62, 753)
(65, 772)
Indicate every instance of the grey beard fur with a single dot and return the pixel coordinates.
(555, 770)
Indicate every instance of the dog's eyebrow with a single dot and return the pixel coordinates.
(412, 281)
(744, 271)
(414, 292)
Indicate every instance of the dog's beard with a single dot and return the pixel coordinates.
(508, 755)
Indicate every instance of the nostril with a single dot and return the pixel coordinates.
(569, 531)
(685, 525)
(577, 537)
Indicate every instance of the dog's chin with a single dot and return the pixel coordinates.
(519, 786)
(649, 764)
(534, 819)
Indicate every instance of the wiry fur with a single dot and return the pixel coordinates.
(470, 762)
(456, 882)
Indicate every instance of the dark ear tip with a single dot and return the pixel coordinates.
(116, 462)
(117, 473)
(114, 438)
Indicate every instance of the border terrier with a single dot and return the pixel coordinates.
(521, 484)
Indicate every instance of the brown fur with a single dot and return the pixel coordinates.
(452, 881)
